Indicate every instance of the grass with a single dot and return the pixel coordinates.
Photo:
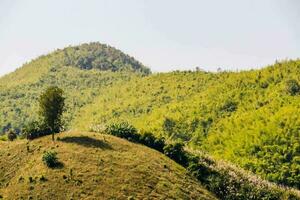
(94, 166)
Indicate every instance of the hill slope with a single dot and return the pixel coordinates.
(82, 71)
(249, 118)
(93, 168)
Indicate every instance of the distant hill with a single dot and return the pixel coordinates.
(82, 71)
(249, 117)
(92, 168)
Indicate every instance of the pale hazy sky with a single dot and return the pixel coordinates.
(163, 34)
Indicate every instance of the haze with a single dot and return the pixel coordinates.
(164, 35)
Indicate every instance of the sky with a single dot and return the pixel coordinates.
(164, 35)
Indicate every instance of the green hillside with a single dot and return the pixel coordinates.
(20, 89)
(249, 118)
(92, 167)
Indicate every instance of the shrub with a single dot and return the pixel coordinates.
(292, 87)
(11, 135)
(176, 152)
(50, 159)
(34, 130)
(123, 130)
(229, 106)
(150, 140)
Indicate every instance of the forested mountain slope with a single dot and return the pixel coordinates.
(250, 118)
(82, 71)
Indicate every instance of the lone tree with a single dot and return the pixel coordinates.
(52, 105)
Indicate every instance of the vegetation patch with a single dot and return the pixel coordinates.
(50, 159)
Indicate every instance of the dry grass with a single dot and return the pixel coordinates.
(92, 168)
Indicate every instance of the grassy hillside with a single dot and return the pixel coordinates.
(92, 167)
(249, 118)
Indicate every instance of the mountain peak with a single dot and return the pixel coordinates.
(99, 56)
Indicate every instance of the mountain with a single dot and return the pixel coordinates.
(249, 118)
(93, 167)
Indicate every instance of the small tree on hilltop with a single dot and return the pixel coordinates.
(52, 105)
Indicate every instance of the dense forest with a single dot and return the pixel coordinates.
(249, 118)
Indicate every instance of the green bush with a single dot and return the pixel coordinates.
(11, 135)
(33, 130)
(229, 106)
(123, 130)
(292, 87)
(176, 152)
(129, 132)
(50, 159)
(150, 140)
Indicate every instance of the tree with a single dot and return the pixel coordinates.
(292, 87)
(52, 105)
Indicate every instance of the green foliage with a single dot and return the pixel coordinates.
(101, 57)
(148, 139)
(176, 152)
(123, 130)
(34, 129)
(50, 159)
(129, 132)
(11, 135)
(292, 87)
(52, 104)
(229, 106)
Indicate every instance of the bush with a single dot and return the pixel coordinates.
(292, 87)
(35, 130)
(50, 159)
(229, 106)
(176, 152)
(11, 135)
(150, 140)
(123, 130)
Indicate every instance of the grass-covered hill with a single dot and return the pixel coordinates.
(92, 166)
(249, 117)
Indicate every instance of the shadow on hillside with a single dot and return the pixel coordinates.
(86, 141)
